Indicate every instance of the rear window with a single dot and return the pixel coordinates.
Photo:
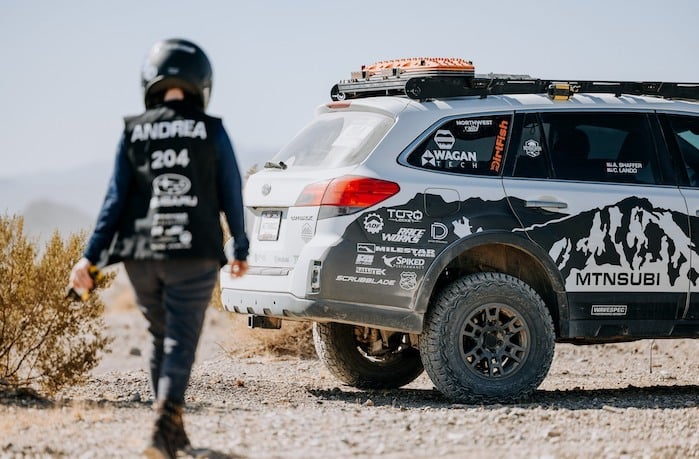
(335, 140)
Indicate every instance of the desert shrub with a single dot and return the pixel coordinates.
(46, 341)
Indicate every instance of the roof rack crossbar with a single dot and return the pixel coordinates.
(440, 84)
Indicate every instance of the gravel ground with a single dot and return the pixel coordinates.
(632, 400)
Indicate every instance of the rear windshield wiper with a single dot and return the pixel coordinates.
(273, 165)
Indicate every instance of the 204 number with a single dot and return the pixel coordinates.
(169, 158)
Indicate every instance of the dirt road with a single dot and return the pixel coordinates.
(598, 401)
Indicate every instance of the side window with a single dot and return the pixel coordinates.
(602, 147)
(474, 146)
(686, 131)
(530, 158)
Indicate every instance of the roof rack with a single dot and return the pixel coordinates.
(436, 78)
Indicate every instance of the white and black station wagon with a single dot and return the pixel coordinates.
(429, 217)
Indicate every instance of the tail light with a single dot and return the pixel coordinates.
(346, 195)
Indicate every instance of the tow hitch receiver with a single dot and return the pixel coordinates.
(264, 322)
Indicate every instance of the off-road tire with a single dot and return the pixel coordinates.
(338, 348)
(488, 338)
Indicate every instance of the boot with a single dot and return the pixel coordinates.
(168, 433)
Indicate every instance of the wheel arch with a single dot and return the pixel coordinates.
(500, 251)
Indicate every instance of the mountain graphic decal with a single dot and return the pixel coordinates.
(630, 243)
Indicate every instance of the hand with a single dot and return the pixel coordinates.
(80, 278)
(238, 268)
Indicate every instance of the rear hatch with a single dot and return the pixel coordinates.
(308, 180)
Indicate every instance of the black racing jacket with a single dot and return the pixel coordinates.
(175, 173)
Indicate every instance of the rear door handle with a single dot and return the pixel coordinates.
(552, 204)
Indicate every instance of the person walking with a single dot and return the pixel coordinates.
(175, 171)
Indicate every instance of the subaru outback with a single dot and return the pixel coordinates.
(430, 218)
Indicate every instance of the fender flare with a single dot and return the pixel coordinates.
(518, 240)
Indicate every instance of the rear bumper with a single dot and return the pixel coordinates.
(287, 306)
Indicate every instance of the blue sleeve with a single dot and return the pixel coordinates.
(230, 192)
(112, 207)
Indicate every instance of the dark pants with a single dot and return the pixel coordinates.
(173, 296)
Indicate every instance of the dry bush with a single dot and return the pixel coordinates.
(46, 341)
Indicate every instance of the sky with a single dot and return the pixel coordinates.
(71, 69)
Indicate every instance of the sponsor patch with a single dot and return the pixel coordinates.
(532, 148)
(404, 235)
(373, 223)
(473, 125)
(408, 280)
(363, 259)
(405, 215)
(444, 139)
(499, 148)
(403, 262)
(438, 232)
(365, 280)
(370, 270)
(171, 185)
(609, 309)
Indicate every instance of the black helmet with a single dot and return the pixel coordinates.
(176, 63)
